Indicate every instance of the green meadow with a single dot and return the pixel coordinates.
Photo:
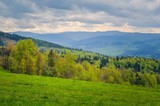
(30, 90)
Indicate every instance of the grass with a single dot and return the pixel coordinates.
(19, 89)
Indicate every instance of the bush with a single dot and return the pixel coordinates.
(146, 80)
(158, 78)
(49, 71)
(111, 75)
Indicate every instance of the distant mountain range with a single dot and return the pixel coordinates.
(112, 43)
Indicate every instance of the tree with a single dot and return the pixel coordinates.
(40, 63)
(90, 72)
(50, 68)
(5, 53)
(146, 79)
(65, 67)
(23, 57)
(52, 58)
(111, 75)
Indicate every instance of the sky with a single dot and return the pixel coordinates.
(52, 16)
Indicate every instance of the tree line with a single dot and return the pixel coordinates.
(26, 58)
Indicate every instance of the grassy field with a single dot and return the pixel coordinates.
(19, 89)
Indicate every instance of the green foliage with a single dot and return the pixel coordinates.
(146, 80)
(65, 67)
(40, 63)
(158, 78)
(52, 59)
(111, 75)
(90, 72)
(5, 37)
(49, 71)
(26, 58)
(23, 57)
(138, 64)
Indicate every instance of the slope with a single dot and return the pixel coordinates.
(19, 89)
(4, 37)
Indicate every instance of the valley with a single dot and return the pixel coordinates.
(111, 43)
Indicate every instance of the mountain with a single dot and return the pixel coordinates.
(112, 43)
(132, 44)
(65, 38)
(4, 37)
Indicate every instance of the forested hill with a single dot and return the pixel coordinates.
(5, 37)
(25, 57)
(111, 43)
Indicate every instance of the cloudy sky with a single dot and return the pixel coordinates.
(46, 16)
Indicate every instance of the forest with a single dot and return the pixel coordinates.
(26, 57)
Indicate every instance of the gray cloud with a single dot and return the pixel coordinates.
(51, 14)
(15, 8)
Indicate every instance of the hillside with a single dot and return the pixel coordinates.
(19, 89)
(112, 43)
(123, 45)
(4, 37)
